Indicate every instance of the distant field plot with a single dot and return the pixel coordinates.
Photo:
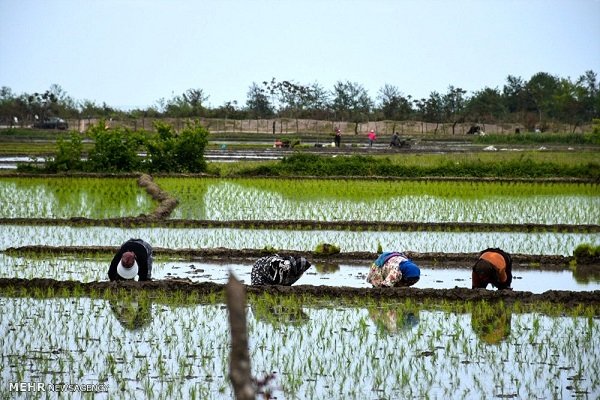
(383, 200)
(27, 197)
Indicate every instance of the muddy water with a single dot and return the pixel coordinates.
(339, 274)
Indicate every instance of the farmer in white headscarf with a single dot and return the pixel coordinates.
(134, 258)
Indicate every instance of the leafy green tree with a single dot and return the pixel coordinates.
(486, 106)
(258, 103)
(169, 152)
(541, 88)
(432, 109)
(68, 156)
(115, 150)
(394, 105)
(351, 102)
(453, 103)
(188, 104)
(189, 148)
(318, 106)
(161, 155)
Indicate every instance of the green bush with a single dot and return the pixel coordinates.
(586, 253)
(327, 249)
(169, 152)
(115, 150)
(68, 157)
(314, 165)
(189, 148)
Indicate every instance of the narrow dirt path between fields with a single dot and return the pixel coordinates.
(26, 286)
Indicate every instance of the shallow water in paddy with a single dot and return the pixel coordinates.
(350, 275)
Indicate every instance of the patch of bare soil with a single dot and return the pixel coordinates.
(456, 294)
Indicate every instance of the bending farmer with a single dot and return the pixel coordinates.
(278, 270)
(134, 258)
(493, 266)
(393, 269)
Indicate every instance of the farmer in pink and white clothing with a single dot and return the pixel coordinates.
(392, 269)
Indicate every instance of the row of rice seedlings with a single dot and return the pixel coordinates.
(420, 201)
(544, 243)
(359, 189)
(184, 348)
(62, 197)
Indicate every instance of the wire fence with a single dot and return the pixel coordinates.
(288, 126)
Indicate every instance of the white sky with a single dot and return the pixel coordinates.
(131, 53)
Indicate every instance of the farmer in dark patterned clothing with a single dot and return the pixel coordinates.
(134, 258)
(278, 270)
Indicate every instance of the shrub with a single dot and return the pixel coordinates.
(189, 148)
(327, 249)
(115, 150)
(68, 157)
(587, 254)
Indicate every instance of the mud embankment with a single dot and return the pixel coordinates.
(27, 287)
(225, 255)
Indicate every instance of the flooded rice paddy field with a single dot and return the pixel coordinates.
(131, 342)
(144, 348)
(438, 275)
(544, 243)
(307, 199)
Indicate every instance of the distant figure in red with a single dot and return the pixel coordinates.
(338, 137)
(372, 137)
(493, 266)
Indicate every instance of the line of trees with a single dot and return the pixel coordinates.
(534, 103)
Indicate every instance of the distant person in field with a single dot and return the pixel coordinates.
(134, 258)
(494, 266)
(393, 269)
(338, 137)
(372, 137)
(278, 270)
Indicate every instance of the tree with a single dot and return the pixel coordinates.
(433, 109)
(189, 148)
(485, 106)
(68, 156)
(115, 150)
(351, 102)
(541, 89)
(169, 152)
(188, 104)
(394, 105)
(318, 106)
(453, 104)
(591, 97)
(292, 98)
(257, 102)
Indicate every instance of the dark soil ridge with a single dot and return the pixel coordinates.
(225, 255)
(157, 219)
(28, 286)
(15, 174)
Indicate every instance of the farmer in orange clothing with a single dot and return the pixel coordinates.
(493, 266)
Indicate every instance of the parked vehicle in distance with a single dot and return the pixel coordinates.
(52, 123)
